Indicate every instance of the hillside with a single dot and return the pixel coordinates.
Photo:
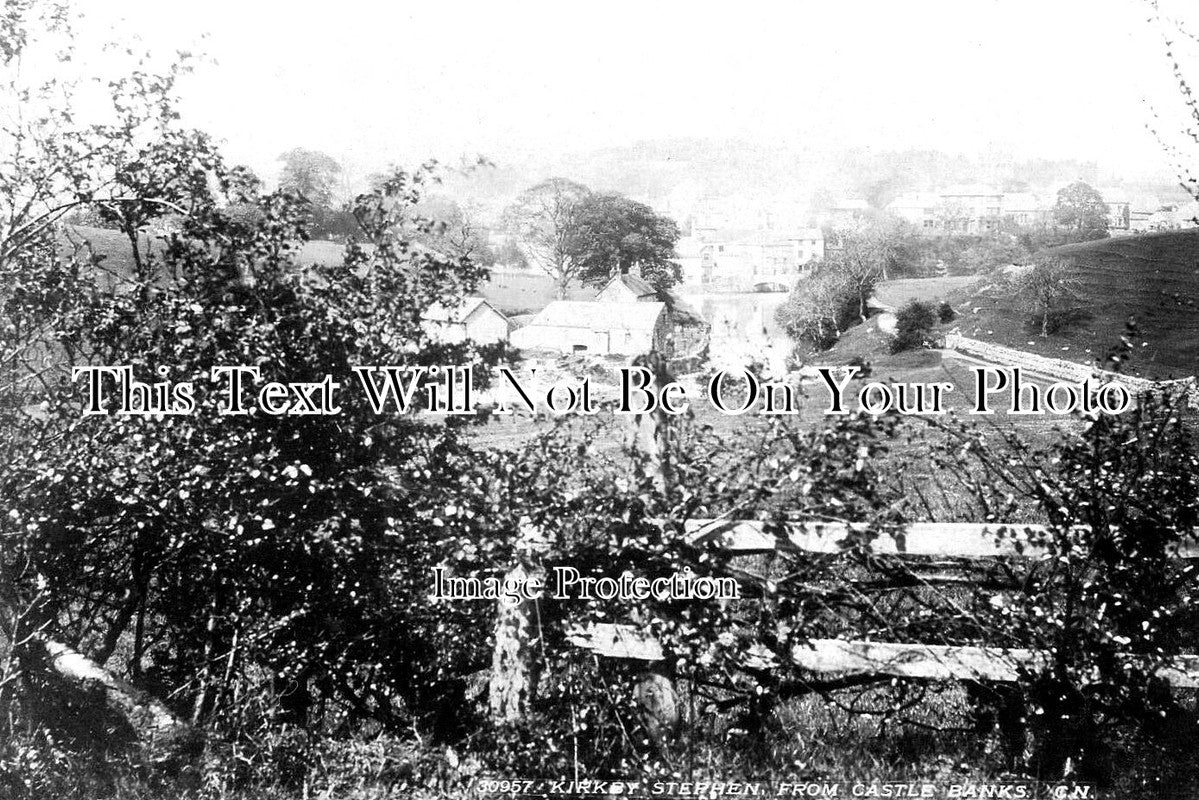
(1152, 277)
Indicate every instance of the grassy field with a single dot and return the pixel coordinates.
(1153, 278)
(929, 290)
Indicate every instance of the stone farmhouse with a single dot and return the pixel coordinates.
(590, 326)
(628, 317)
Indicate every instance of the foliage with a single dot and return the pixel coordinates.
(615, 235)
(453, 230)
(311, 174)
(914, 325)
(1179, 145)
(1081, 210)
(544, 219)
(834, 297)
(270, 576)
(269, 543)
(1049, 286)
(1109, 603)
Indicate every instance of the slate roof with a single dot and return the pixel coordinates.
(439, 313)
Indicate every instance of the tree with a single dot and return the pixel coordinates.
(1179, 145)
(279, 545)
(454, 230)
(310, 174)
(1081, 210)
(914, 325)
(1048, 285)
(869, 256)
(313, 175)
(821, 308)
(614, 235)
(544, 218)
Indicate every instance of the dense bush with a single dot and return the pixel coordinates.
(914, 325)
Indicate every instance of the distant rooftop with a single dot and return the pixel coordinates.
(439, 313)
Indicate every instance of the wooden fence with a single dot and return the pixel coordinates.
(901, 660)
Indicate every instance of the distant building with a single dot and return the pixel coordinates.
(730, 259)
(1174, 217)
(972, 209)
(475, 319)
(918, 208)
(848, 214)
(1027, 210)
(956, 211)
(1119, 210)
(613, 328)
(1140, 212)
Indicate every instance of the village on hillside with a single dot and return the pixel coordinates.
(740, 268)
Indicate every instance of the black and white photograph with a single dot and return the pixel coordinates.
(628, 400)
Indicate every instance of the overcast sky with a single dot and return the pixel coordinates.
(376, 82)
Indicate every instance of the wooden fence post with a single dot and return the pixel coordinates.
(653, 435)
(514, 667)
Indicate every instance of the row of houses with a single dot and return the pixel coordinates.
(742, 260)
(628, 317)
(978, 210)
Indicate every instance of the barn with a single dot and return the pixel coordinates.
(688, 330)
(475, 319)
(572, 326)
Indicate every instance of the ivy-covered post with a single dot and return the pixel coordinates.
(652, 444)
(514, 666)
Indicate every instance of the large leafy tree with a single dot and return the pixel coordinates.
(225, 554)
(311, 174)
(615, 235)
(1080, 209)
(544, 220)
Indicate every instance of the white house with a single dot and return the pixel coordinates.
(570, 326)
(475, 319)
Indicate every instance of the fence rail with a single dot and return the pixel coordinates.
(895, 659)
(949, 539)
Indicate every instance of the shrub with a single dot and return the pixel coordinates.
(914, 325)
(862, 364)
(945, 313)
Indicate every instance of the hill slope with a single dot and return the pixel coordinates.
(1153, 278)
